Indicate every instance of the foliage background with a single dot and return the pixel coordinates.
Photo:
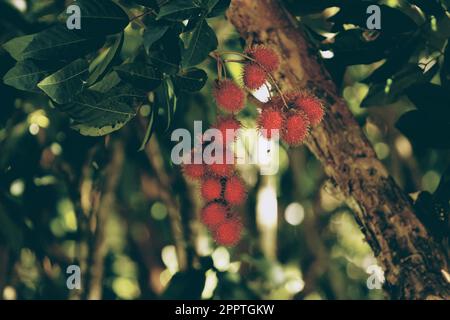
(66, 198)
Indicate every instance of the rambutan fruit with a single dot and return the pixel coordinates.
(312, 107)
(211, 189)
(254, 76)
(267, 57)
(230, 124)
(221, 165)
(191, 169)
(235, 192)
(296, 128)
(229, 96)
(228, 233)
(214, 214)
(270, 119)
(221, 169)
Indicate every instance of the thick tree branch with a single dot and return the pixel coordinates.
(412, 261)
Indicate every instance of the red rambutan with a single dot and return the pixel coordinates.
(270, 119)
(194, 171)
(312, 107)
(213, 215)
(254, 76)
(296, 128)
(267, 57)
(211, 189)
(230, 124)
(221, 169)
(228, 233)
(229, 96)
(235, 193)
(220, 165)
(191, 169)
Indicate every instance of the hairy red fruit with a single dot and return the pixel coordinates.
(254, 76)
(227, 123)
(296, 128)
(266, 57)
(221, 169)
(229, 96)
(228, 233)
(220, 165)
(270, 119)
(213, 215)
(235, 192)
(312, 107)
(211, 189)
(191, 169)
(194, 171)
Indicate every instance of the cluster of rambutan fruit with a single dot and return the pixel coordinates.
(291, 114)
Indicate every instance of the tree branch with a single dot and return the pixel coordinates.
(412, 261)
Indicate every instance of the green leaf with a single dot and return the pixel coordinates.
(191, 80)
(58, 43)
(209, 4)
(150, 127)
(97, 114)
(16, 46)
(100, 66)
(108, 82)
(166, 100)
(219, 8)
(389, 91)
(66, 83)
(393, 20)
(424, 130)
(101, 17)
(167, 55)
(179, 10)
(186, 285)
(154, 31)
(430, 98)
(199, 44)
(25, 76)
(140, 75)
(445, 69)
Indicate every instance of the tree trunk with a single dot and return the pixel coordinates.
(412, 261)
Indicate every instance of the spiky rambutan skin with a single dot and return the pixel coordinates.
(211, 189)
(229, 96)
(228, 233)
(229, 123)
(214, 214)
(220, 165)
(312, 107)
(235, 192)
(221, 169)
(190, 169)
(193, 171)
(270, 119)
(254, 76)
(296, 128)
(267, 57)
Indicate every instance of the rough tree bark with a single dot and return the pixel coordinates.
(412, 261)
